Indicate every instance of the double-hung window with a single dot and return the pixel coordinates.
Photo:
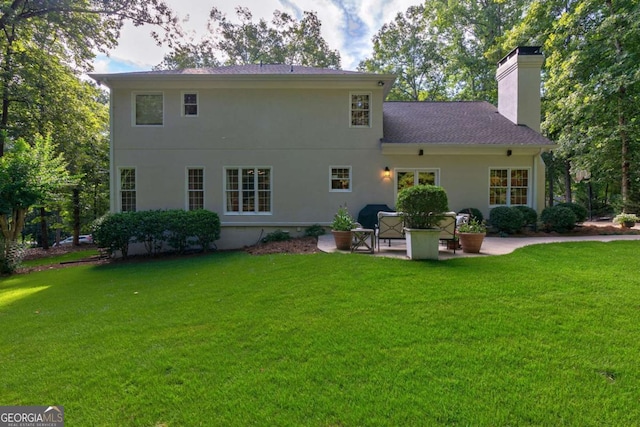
(128, 190)
(509, 187)
(190, 104)
(248, 190)
(360, 109)
(195, 188)
(148, 109)
(340, 179)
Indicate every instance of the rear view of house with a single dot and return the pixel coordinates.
(282, 147)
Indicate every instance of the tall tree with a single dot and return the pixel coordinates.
(410, 48)
(284, 40)
(75, 29)
(592, 84)
(29, 175)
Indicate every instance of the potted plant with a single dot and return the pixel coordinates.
(422, 207)
(626, 220)
(472, 235)
(341, 227)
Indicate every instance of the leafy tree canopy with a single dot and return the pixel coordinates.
(284, 40)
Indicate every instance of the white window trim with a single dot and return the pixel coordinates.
(224, 191)
(509, 169)
(351, 125)
(396, 171)
(182, 103)
(204, 187)
(350, 189)
(133, 107)
(135, 177)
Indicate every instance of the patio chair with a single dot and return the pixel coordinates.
(390, 226)
(449, 227)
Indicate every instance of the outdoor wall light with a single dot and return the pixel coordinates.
(380, 83)
(387, 172)
(509, 152)
(421, 152)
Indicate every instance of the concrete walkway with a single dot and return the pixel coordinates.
(490, 246)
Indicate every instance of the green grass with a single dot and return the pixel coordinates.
(68, 257)
(546, 336)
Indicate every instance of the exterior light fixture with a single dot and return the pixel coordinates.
(387, 172)
(421, 152)
(380, 83)
(509, 152)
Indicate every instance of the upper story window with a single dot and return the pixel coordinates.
(127, 190)
(195, 188)
(360, 109)
(340, 179)
(148, 109)
(190, 104)
(248, 190)
(508, 187)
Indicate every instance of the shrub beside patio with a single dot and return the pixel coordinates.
(544, 336)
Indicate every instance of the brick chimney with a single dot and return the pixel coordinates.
(518, 77)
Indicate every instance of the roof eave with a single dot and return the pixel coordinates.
(414, 148)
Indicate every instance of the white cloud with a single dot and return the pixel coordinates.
(347, 25)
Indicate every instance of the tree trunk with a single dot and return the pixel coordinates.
(567, 182)
(43, 228)
(76, 216)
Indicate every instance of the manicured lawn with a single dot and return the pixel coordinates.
(546, 336)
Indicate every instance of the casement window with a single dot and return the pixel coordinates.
(127, 190)
(190, 104)
(148, 109)
(340, 179)
(248, 190)
(360, 109)
(195, 188)
(509, 187)
(409, 177)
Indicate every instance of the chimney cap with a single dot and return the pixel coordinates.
(521, 50)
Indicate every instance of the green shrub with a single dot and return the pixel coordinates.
(473, 214)
(529, 215)
(558, 218)
(314, 231)
(579, 211)
(276, 236)
(205, 227)
(150, 227)
(422, 206)
(177, 228)
(342, 220)
(114, 232)
(506, 219)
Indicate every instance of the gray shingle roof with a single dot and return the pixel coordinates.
(467, 123)
(252, 69)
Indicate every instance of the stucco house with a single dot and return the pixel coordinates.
(282, 147)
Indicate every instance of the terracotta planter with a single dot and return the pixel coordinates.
(343, 240)
(471, 242)
(453, 244)
(628, 224)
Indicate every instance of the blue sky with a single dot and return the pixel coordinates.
(347, 25)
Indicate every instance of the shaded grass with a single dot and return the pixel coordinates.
(544, 336)
(57, 259)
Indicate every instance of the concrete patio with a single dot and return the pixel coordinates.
(490, 246)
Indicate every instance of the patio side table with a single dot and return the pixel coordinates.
(363, 240)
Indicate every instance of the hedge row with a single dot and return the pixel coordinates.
(560, 218)
(178, 229)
